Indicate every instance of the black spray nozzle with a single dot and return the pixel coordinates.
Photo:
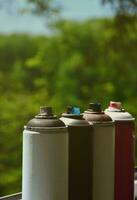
(95, 107)
(69, 109)
(46, 111)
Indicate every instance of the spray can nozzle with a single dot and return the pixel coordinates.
(45, 113)
(96, 107)
(73, 110)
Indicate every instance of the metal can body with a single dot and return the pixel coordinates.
(45, 165)
(102, 155)
(124, 153)
(103, 162)
(45, 162)
(80, 160)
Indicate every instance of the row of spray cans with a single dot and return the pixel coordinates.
(87, 156)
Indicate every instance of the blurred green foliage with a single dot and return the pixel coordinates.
(79, 62)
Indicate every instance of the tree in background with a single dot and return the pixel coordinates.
(37, 7)
(41, 7)
(123, 6)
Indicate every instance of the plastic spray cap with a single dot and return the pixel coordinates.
(73, 110)
(46, 111)
(96, 107)
(115, 105)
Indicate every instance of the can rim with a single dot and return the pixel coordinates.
(44, 128)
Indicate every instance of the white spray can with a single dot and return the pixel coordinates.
(45, 158)
(103, 152)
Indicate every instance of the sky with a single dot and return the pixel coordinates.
(11, 22)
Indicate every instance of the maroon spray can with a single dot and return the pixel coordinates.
(124, 151)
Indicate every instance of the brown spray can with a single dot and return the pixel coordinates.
(80, 151)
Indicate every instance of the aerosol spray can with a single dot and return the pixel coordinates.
(80, 151)
(124, 151)
(103, 152)
(45, 158)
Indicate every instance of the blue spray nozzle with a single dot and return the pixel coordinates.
(75, 110)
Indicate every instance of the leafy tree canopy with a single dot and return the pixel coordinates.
(123, 6)
(41, 7)
(38, 7)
